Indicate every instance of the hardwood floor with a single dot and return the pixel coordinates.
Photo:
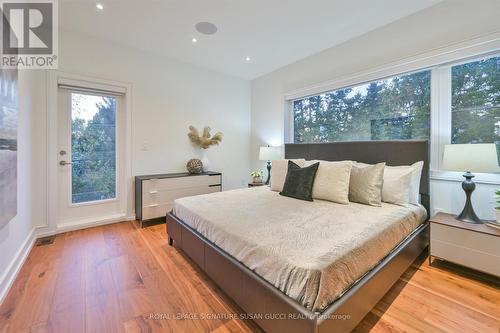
(119, 278)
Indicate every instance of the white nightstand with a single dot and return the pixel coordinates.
(475, 246)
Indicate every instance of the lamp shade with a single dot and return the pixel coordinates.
(269, 153)
(480, 157)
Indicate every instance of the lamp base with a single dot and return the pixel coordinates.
(468, 214)
(268, 172)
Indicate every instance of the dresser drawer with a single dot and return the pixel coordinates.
(472, 249)
(155, 194)
(154, 210)
(164, 196)
(153, 185)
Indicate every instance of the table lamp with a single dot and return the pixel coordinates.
(480, 157)
(268, 154)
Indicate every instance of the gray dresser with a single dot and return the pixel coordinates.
(155, 194)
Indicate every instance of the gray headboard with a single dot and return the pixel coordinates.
(392, 152)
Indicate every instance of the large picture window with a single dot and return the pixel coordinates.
(475, 102)
(396, 108)
(464, 100)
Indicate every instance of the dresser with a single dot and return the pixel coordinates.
(155, 194)
(475, 246)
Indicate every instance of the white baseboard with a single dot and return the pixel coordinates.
(89, 223)
(15, 265)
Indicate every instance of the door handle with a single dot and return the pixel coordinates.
(63, 163)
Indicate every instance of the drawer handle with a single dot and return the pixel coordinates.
(153, 205)
(153, 192)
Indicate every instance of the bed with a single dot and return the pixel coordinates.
(274, 256)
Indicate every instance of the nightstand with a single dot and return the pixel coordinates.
(256, 184)
(476, 246)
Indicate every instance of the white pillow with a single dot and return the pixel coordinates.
(401, 183)
(332, 181)
(279, 171)
(396, 187)
(414, 185)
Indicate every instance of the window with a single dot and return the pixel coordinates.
(93, 147)
(462, 106)
(397, 108)
(475, 102)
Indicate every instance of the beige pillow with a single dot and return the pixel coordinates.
(366, 184)
(402, 184)
(279, 171)
(332, 181)
(396, 189)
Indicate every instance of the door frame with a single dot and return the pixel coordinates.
(53, 77)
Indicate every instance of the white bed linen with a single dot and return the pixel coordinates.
(311, 251)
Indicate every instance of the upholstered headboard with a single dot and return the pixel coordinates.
(392, 152)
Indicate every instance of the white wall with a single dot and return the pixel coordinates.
(167, 97)
(19, 233)
(447, 23)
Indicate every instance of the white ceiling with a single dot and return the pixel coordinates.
(273, 33)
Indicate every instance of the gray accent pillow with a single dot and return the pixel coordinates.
(365, 184)
(299, 181)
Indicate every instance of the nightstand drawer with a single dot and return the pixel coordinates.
(473, 249)
(464, 238)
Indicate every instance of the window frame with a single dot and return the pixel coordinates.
(440, 113)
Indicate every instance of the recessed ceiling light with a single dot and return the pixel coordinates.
(206, 28)
(248, 59)
(194, 40)
(99, 6)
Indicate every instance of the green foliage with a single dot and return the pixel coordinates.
(257, 173)
(94, 154)
(476, 102)
(497, 199)
(399, 108)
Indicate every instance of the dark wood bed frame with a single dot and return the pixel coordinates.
(270, 308)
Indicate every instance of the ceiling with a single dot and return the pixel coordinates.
(273, 33)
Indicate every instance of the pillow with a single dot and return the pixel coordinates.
(279, 171)
(299, 181)
(332, 181)
(402, 184)
(396, 189)
(365, 184)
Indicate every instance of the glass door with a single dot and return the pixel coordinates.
(90, 176)
(93, 148)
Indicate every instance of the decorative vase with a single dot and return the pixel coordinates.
(204, 160)
(497, 213)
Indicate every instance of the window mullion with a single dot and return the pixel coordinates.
(440, 113)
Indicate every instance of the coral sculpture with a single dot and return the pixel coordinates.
(194, 165)
(205, 140)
